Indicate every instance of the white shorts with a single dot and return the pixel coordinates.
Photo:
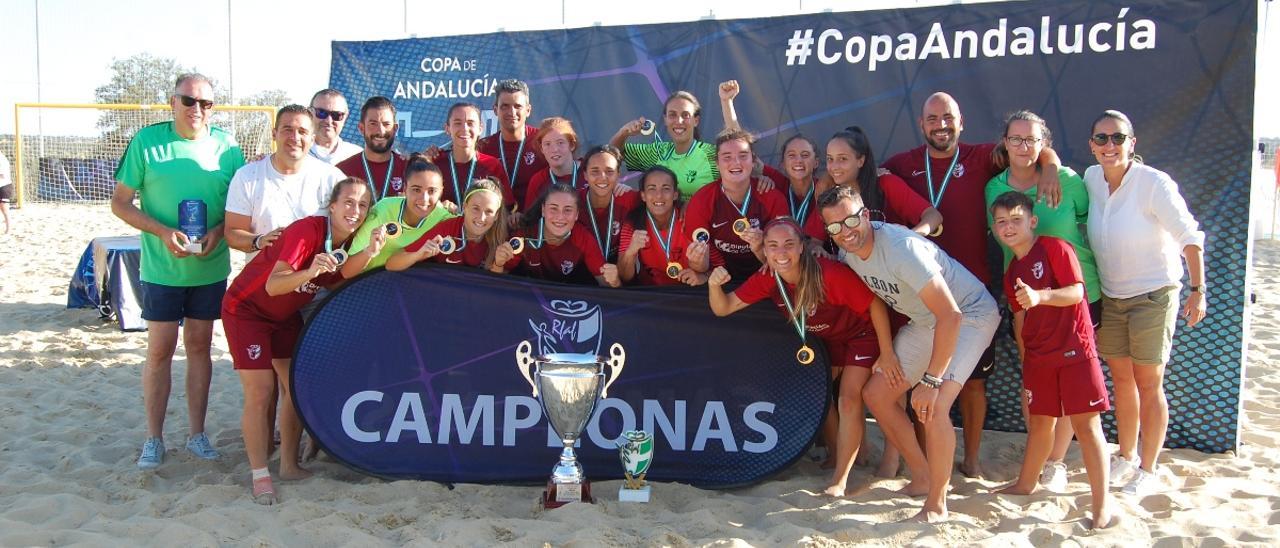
(914, 347)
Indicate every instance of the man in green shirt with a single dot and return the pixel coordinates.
(166, 164)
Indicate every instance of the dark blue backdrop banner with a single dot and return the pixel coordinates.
(413, 375)
(1182, 70)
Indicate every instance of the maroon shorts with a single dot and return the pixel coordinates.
(254, 342)
(1064, 390)
(860, 351)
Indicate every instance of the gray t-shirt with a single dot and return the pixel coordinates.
(900, 265)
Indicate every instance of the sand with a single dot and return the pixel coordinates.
(71, 423)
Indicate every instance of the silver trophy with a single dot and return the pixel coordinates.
(568, 386)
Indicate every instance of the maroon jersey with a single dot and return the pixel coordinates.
(473, 253)
(519, 162)
(652, 261)
(543, 179)
(623, 205)
(1051, 335)
(376, 174)
(901, 206)
(576, 260)
(962, 203)
(484, 166)
(844, 314)
(711, 209)
(297, 245)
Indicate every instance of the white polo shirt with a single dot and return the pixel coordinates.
(1138, 232)
(339, 153)
(272, 200)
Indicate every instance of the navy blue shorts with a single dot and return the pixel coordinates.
(166, 303)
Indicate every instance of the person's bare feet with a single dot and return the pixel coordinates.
(927, 515)
(835, 490)
(887, 469)
(1016, 489)
(970, 469)
(915, 488)
(1105, 521)
(294, 473)
(310, 449)
(263, 492)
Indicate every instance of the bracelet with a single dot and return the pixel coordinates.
(254, 245)
(931, 381)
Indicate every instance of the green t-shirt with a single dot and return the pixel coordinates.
(693, 169)
(165, 169)
(1062, 222)
(387, 210)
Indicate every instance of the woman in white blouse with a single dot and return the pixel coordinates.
(1139, 227)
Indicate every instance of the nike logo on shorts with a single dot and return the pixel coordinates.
(988, 367)
(718, 225)
(858, 358)
(1095, 403)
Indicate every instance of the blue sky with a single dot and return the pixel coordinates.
(285, 43)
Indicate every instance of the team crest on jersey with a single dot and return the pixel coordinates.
(617, 227)
(692, 174)
(530, 158)
(566, 267)
(397, 184)
(958, 171)
(1037, 270)
(255, 351)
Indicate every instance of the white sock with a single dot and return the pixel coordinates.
(259, 473)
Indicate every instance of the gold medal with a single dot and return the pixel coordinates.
(702, 235)
(936, 232)
(517, 245)
(447, 246)
(805, 355)
(740, 226)
(673, 270)
(391, 229)
(339, 256)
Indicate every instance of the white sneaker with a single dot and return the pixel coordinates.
(1144, 483)
(1054, 476)
(1122, 469)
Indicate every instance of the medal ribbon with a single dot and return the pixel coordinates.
(796, 321)
(608, 229)
(666, 246)
(386, 181)
(928, 173)
(804, 204)
(453, 172)
(745, 201)
(573, 182)
(515, 166)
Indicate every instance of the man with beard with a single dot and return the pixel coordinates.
(179, 171)
(953, 177)
(377, 163)
(330, 108)
(515, 144)
(269, 194)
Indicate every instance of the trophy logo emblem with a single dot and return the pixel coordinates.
(635, 449)
(568, 326)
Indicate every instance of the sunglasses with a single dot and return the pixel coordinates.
(189, 101)
(851, 221)
(1116, 139)
(322, 114)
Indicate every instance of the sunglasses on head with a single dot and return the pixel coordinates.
(189, 101)
(1116, 138)
(322, 114)
(851, 221)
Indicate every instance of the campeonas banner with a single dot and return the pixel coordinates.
(1183, 71)
(413, 374)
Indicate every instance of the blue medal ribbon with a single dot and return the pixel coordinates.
(386, 181)
(928, 173)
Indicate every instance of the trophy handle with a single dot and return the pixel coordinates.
(524, 359)
(617, 357)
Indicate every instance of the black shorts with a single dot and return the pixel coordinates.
(166, 303)
(6, 193)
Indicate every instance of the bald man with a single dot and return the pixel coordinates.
(953, 176)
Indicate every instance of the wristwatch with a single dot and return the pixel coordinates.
(1198, 288)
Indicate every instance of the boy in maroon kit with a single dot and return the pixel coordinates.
(1061, 373)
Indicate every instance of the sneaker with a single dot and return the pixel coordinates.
(1121, 469)
(200, 446)
(1054, 476)
(1144, 483)
(152, 454)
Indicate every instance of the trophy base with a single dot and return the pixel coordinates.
(558, 495)
(633, 495)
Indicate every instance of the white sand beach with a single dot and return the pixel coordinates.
(71, 424)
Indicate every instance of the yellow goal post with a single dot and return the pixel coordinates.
(68, 152)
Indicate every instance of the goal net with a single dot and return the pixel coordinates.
(69, 152)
